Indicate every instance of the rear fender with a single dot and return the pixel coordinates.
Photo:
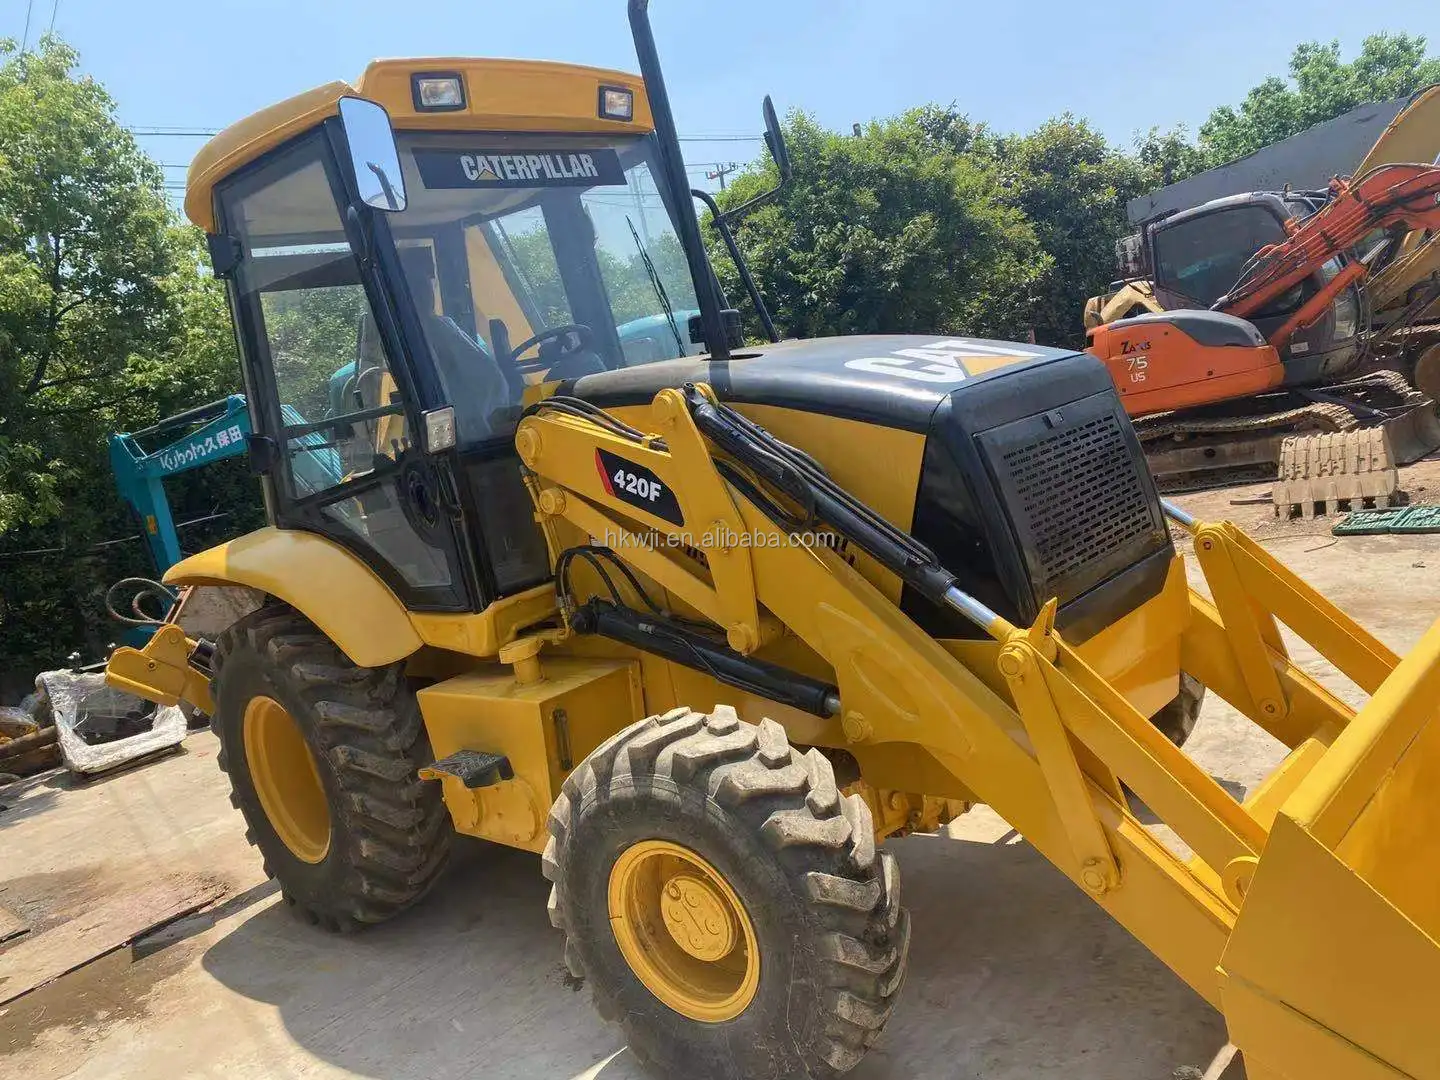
(320, 579)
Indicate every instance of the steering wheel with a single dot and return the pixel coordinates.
(580, 338)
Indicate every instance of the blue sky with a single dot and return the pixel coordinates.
(1124, 66)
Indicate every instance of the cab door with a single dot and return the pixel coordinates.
(334, 411)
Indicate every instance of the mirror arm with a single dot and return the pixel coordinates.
(723, 228)
(362, 236)
(764, 198)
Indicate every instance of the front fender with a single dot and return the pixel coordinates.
(321, 580)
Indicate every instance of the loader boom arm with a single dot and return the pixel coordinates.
(1054, 747)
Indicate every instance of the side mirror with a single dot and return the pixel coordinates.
(374, 158)
(775, 140)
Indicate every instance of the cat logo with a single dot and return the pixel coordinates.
(949, 361)
(477, 168)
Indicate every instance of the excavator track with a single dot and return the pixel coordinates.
(1315, 417)
(1190, 449)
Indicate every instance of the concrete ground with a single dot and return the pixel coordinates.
(1014, 973)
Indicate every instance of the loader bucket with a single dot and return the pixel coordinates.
(1333, 968)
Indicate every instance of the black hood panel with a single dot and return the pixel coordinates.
(897, 380)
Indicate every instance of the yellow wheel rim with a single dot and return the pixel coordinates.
(284, 774)
(683, 931)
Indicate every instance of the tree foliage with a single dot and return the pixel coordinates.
(1072, 186)
(1321, 87)
(895, 230)
(107, 322)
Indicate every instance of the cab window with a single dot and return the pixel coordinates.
(322, 387)
(549, 257)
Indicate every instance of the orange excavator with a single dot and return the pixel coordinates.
(1282, 347)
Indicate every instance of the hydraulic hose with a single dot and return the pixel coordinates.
(144, 587)
(801, 478)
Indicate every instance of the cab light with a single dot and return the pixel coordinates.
(438, 92)
(439, 429)
(617, 103)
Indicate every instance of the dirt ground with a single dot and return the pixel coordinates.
(1014, 973)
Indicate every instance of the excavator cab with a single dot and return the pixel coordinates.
(1197, 255)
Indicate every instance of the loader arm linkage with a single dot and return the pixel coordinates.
(1349, 804)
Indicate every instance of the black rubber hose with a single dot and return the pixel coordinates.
(772, 460)
(143, 587)
(685, 646)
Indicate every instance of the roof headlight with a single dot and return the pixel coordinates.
(617, 103)
(437, 91)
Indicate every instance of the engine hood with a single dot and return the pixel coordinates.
(897, 380)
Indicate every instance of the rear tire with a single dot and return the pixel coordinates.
(830, 936)
(388, 831)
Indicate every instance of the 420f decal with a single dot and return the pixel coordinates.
(638, 486)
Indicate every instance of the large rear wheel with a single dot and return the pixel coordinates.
(322, 757)
(725, 903)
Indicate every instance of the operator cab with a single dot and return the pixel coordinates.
(1199, 255)
(400, 281)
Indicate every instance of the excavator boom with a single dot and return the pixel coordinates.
(1391, 195)
(1294, 356)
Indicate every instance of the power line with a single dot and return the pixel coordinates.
(102, 544)
(25, 37)
(54, 10)
(163, 130)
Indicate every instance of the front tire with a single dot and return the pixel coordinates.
(322, 757)
(768, 929)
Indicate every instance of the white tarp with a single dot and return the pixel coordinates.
(67, 692)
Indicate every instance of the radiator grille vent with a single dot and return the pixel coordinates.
(1080, 498)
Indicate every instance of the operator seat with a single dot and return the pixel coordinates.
(469, 375)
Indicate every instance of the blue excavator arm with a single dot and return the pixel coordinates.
(140, 474)
(213, 432)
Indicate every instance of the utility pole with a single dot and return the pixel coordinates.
(720, 172)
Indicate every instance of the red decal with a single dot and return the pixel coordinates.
(604, 476)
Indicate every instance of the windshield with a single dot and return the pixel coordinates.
(537, 258)
(1202, 258)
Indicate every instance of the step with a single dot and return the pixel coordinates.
(473, 768)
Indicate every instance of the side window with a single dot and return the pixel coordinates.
(328, 368)
(333, 404)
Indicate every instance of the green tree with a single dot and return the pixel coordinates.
(107, 322)
(85, 247)
(1167, 157)
(896, 230)
(1072, 187)
(1321, 87)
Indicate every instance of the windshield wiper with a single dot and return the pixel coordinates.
(657, 285)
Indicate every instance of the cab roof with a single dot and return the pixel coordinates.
(500, 95)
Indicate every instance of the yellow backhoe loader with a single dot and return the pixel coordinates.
(702, 631)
